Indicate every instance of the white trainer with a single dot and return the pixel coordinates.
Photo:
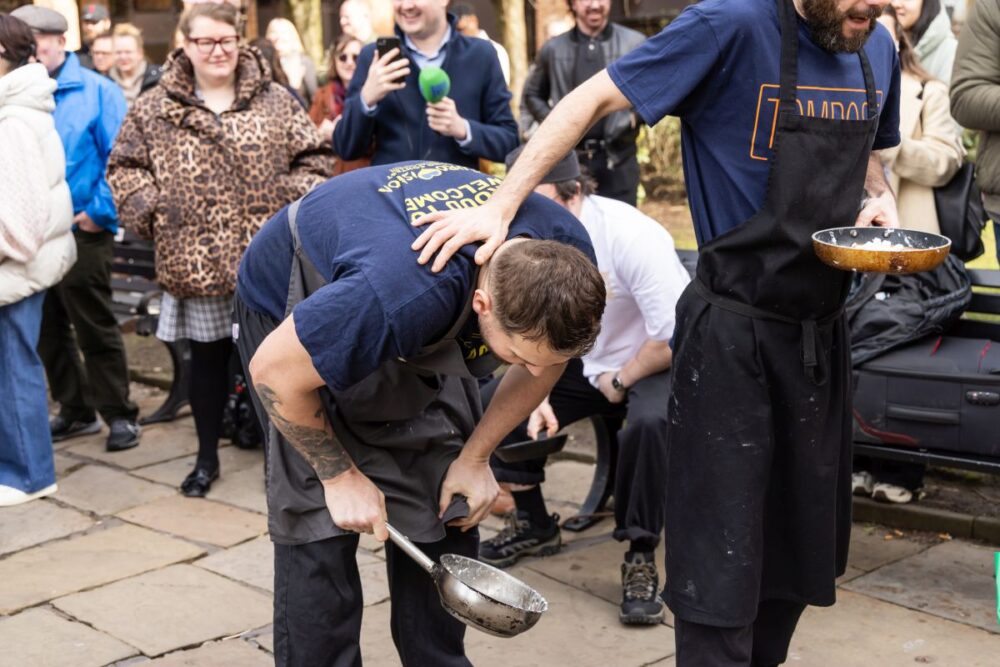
(9, 496)
(890, 493)
(862, 483)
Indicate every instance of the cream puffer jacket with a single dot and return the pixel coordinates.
(928, 155)
(36, 210)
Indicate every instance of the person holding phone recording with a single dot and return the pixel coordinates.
(384, 102)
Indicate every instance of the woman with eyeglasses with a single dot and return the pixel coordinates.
(201, 162)
(328, 102)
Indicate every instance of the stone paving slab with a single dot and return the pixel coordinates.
(66, 566)
(40, 637)
(859, 631)
(266, 641)
(243, 488)
(170, 608)
(953, 580)
(160, 442)
(595, 569)
(567, 481)
(374, 583)
(377, 649)
(64, 464)
(578, 630)
(251, 562)
(231, 459)
(228, 653)
(102, 490)
(198, 519)
(870, 548)
(26, 525)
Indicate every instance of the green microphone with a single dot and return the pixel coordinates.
(434, 84)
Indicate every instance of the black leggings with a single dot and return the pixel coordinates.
(210, 380)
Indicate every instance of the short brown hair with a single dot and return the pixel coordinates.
(17, 39)
(546, 290)
(217, 11)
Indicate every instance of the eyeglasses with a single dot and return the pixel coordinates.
(344, 57)
(206, 45)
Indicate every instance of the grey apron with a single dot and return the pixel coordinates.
(402, 425)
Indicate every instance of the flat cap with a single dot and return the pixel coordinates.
(567, 169)
(41, 19)
(93, 12)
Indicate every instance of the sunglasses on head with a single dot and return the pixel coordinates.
(344, 57)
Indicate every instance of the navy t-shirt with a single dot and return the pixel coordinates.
(379, 304)
(717, 68)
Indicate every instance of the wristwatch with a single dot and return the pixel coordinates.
(616, 383)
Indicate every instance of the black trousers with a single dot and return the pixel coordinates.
(762, 644)
(77, 318)
(318, 605)
(642, 449)
(621, 183)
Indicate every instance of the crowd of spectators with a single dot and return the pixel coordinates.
(195, 155)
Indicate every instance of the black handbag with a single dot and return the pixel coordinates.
(961, 214)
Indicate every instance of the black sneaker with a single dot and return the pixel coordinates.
(518, 539)
(640, 603)
(124, 435)
(64, 429)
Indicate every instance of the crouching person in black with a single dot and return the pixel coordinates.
(626, 374)
(364, 366)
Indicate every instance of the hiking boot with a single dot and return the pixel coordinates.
(890, 493)
(124, 435)
(64, 429)
(640, 603)
(518, 539)
(862, 484)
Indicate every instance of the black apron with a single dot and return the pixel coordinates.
(758, 488)
(403, 425)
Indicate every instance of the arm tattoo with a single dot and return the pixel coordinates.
(318, 446)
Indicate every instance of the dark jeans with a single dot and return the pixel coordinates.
(77, 318)
(318, 604)
(621, 183)
(642, 449)
(762, 644)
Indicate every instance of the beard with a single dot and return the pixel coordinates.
(826, 25)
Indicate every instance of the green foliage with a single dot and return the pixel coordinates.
(659, 150)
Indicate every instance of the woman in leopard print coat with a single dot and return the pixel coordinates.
(201, 162)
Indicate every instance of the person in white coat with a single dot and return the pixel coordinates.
(36, 250)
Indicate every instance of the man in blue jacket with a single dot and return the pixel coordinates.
(384, 101)
(77, 315)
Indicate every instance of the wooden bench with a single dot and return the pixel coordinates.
(135, 301)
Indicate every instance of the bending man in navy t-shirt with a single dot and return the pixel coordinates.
(784, 105)
(366, 368)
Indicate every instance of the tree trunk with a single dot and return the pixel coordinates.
(515, 40)
(308, 20)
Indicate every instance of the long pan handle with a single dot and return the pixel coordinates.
(404, 543)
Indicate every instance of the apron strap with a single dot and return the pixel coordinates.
(866, 68)
(303, 278)
(810, 350)
(789, 57)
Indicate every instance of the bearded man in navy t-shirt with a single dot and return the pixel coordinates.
(784, 106)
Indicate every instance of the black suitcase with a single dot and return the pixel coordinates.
(938, 393)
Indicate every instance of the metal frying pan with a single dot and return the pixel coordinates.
(907, 251)
(477, 594)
